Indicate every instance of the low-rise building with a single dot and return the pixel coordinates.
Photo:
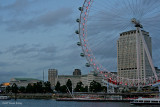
(64, 78)
(75, 78)
(23, 81)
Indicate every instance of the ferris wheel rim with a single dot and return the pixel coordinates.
(87, 50)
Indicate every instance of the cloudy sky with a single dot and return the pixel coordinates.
(37, 35)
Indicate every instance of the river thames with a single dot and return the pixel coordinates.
(54, 103)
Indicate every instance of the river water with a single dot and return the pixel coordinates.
(54, 103)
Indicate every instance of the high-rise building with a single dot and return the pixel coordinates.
(127, 56)
(52, 76)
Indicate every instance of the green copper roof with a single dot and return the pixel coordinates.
(26, 79)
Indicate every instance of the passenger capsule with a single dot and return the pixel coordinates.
(78, 20)
(79, 43)
(87, 65)
(80, 8)
(77, 32)
(82, 54)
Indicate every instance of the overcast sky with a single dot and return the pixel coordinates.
(37, 35)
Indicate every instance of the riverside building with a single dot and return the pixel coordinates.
(52, 76)
(127, 56)
(75, 78)
(23, 82)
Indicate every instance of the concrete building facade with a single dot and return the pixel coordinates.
(52, 76)
(64, 78)
(75, 78)
(77, 72)
(23, 82)
(127, 56)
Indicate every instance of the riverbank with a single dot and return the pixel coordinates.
(31, 96)
(94, 99)
(124, 96)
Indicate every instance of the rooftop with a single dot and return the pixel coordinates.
(26, 79)
(132, 31)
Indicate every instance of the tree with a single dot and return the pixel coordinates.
(57, 87)
(47, 87)
(104, 89)
(86, 89)
(14, 88)
(29, 88)
(116, 89)
(22, 89)
(63, 89)
(39, 87)
(155, 89)
(8, 89)
(79, 87)
(69, 85)
(34, 88)
(95, 86)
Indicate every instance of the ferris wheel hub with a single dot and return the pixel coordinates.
(136, 22)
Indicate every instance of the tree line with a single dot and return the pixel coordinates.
(45, 87)
(38, 87)
(94, 87)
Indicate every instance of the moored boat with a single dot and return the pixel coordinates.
(96, 99)
(146, 101)
(5, 98)
(79, 99)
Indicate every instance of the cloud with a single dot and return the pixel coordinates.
(18, 5)
(47, 20)
(4, 64)
(12, 73)
(34, 52)
(27, 58)
(6, 76)
(49, 49)
(21, 49)
(1, 52)
(55, 17)
(48, 53)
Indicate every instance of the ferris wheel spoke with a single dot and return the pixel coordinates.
(99, 19)
(151, 9)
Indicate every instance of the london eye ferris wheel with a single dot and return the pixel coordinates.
(121, 36)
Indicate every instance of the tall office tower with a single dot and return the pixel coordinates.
(127, 56)
(52, 76)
